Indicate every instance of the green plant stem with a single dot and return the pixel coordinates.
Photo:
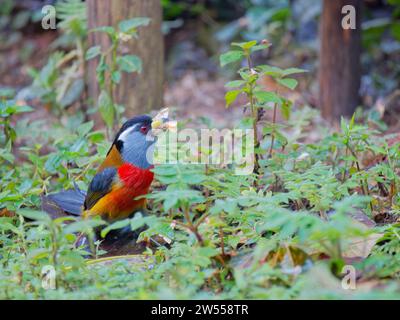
(192, 227)
(221, 235)
(253, 114)
(81, 54)
(393, 170)
(364, 183)
(273, 129)
(200, 220)
(114, 50)
(364, 187)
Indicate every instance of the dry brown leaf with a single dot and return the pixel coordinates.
(361, 247)
(6, 213)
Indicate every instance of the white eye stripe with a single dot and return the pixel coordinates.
(124, 135)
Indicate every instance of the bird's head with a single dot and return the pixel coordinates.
(135, 140)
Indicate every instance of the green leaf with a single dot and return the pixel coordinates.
(137, 221)
(130, 25)
(106, 108)
(266, 96)
(271, 71)
(260, 47)
(286, 108)
(115, 226)
(288, 83)
(10, 107)
(170, 202)
(38, 254)
(107, 29)
(116, 77)
(34, 215)
(230, 56)
(130, 63)
(73, 93)
(93, 52)
(7, 92)
(290, 71)
(100, 71)
(85, 128)
(231, 96)
(96, 137)
(235, 84)
(83, 225)
(22, 109)
(395, 30)
(245, 45)
(7, 156)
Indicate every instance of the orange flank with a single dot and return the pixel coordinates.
(113, 159)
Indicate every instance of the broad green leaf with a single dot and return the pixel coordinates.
(290, 71)
(245, 45)
(96, 137)
(130, 25)
(230, 56)
(93, 52)
(7, 92)
(10, 107)
(7, 156)
(38, 254)
(107, 29)
(260, 47)
(73, 93)
(106, 108)
(395, 30)
(266, 96)
(286, 108)
(83, 225)
(116, 77)
(137, 221)
(235, 84)
(130, 63)
(100, 71)
(271, 71)
(34, 215)
(288, 83)
(115, 226)
(231, 96)
(22, 109)
(85, 128)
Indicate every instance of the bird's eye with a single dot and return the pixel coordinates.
(144, 129)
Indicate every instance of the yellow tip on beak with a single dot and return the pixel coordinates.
(160, 120)
(156, 124)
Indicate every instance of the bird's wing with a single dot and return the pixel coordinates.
(101, 185)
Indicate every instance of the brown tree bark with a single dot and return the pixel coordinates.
(340, 65)
(139, 93)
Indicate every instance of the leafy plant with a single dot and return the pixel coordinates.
(257, 96)
(111, 66)
(61, 82)
(8, 108)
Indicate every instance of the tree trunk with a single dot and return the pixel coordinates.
(340, 65)
(139, 93)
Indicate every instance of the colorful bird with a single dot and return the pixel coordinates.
(124, 175)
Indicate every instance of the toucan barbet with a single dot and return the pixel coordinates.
(125, 174)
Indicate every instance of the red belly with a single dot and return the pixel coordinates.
(120, 202)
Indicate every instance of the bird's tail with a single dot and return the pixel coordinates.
(70, 201)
